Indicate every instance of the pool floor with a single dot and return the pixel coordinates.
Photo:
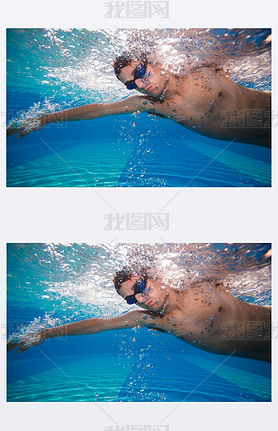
(106, 163)
(154, 378)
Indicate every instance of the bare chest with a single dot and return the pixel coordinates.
(200, 319)
(196, 110)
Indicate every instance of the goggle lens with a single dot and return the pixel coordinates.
(131, 300)
(131, 85)
(140, 287)
(138, 74)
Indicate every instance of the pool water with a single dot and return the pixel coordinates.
(52, 284)
(112, 152)
(48, 71)
(188, 375)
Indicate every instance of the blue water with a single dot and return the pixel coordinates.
(73, 282)
(156, 368)
(110, 152)
(51, 71)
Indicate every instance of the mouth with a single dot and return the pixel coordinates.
(149, 303)
(149, 88)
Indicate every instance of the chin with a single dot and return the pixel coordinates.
(156, 92)
(156, 307)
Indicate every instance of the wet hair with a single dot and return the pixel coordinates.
(126, 274)
(121, 277)
(120, 62)
(125, 59)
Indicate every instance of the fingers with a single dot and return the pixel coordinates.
(24, 347)
(13, 345)
(28, 343)
(29, 340)
(20, 131)
(23, 131)
(13, 130)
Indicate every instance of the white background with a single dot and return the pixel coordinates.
(77, 215)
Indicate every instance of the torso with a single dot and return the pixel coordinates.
(211, 104)
(205, 318)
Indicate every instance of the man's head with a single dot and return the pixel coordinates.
(141, 290)
(137, 72)
(121, 62)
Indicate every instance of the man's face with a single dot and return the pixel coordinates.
(152, 83)
(152, 298)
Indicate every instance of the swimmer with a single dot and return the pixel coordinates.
(203, 315)
(204, 100)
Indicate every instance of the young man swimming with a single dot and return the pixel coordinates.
(203, 315)
(204, 100)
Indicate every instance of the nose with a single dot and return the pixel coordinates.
(139, 297)
(139, 83)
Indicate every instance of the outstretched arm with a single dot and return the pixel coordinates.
(83, 327)
(84, 112)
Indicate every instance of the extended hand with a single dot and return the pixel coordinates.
(28, 127)
(29, 341)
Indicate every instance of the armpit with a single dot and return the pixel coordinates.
(152, 107)
(150, 319)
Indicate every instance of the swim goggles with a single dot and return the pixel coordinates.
(139, 73)
(139, 287)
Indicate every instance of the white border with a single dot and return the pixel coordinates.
(197, 215)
